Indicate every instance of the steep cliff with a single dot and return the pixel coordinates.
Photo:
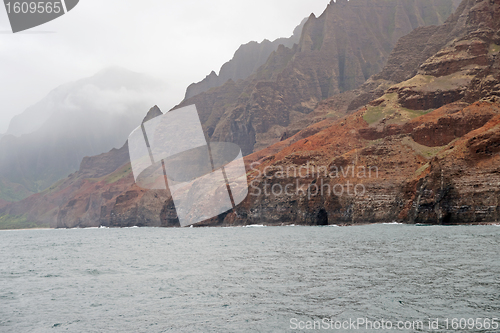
(409, 53)
(337, 52)
(425, 150)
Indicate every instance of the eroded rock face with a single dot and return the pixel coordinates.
(337, 52)
(392, 160)
(410, 181)
(466, 67)
(439, 168)
(137, 207)
(437, 128)
(442, 131)
(484, 145)
(422, 100)
(461, 54)
(463, 186)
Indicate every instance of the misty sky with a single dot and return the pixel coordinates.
(177, 41)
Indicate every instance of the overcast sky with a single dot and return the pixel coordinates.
(179, 42)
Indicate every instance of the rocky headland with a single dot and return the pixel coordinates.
(413, 138)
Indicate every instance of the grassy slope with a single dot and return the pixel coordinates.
(18, 222)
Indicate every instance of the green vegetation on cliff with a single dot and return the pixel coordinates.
(8, 222)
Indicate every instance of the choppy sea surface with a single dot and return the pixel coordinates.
(267, 279)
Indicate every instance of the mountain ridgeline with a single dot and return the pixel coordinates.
(417, 142)
(247, 59)
(337, 52)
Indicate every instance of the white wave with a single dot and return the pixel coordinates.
(255, 226)
(392, 223)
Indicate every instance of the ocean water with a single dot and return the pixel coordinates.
(267, 279)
